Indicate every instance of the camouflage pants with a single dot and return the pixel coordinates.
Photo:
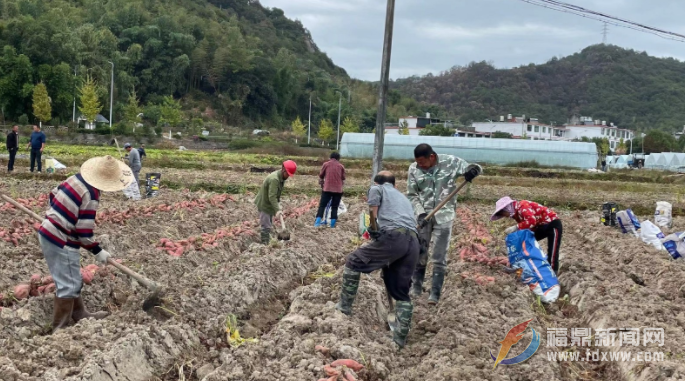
(440, 235)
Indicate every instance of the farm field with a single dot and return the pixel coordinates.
(199, 239)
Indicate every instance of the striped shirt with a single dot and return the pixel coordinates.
(71, 218)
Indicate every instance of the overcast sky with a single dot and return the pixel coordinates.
(434, 35)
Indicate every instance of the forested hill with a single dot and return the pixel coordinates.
(606, 82)
(241, 59)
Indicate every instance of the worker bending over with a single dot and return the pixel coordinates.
(395, 249)
(431, 178)
(68, 226)
(268, 199)
(533, 216)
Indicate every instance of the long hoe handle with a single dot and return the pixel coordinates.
(445, 201)
(141, 279)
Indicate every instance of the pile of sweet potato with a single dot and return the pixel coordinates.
(473, 243)
(341, 368)
(206, 241)
(31, 202)
(18, 230)
(120, 217)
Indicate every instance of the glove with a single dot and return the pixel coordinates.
(374, 234)
(422, 220)
(511, 229)
(471, 174)
(102, 256)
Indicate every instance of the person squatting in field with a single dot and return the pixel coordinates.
(533, 216)
(332, 178)
(268, 199)
(394, 248)
(68, 226)
(432, 178)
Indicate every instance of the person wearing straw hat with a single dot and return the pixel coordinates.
(68, 226)
(542, 221)
(268, 199)
(134, 161)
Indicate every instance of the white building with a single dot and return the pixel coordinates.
(530, 128)
(414, 123)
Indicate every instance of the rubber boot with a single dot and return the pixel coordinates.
(333, 223)
(436, 288)
(417, 282)
(265, 236)
(403, 314)
(62, 313)
(80, 312)
(348, 291)
(317, 223)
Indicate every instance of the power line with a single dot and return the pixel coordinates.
(603, 17)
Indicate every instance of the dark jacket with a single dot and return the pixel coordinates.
(37, 140)
(141, 151)
(12, 141)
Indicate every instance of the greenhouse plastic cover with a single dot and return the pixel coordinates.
(481, 150)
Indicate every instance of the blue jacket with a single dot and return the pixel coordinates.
(37, 140)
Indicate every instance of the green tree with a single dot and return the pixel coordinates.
(659, 141)
(170, 111)
(436, 130)
(404, 128)
(501, 135)
(90, 104)
(349, 125)
(326, 131)
(41, 103)
(132, 110)
(298, 129)
(603, 146)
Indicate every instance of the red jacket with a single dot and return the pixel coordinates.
(530, 215)
(333, 175)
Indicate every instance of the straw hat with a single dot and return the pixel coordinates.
(107, 173)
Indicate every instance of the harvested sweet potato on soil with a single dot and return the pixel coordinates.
(355, 366)
(21, 291)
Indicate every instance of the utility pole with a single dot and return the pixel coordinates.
(337, 141)
(73, 115)
(383, 89)
(111, 96)
(309, 134)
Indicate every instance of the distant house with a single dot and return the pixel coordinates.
(414, 123)
(99, 119)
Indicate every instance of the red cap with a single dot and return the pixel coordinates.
(290, 167)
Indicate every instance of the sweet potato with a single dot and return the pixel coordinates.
(35, 278)
(87, 276)
(50, 288)
(21, 291)
(355, 366)
(330, 371)
(323, 350)
(349, 376)
(92, 268)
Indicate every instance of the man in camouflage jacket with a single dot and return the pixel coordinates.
(431, 178)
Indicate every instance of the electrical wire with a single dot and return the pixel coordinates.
(603, 17)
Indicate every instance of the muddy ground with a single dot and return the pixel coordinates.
(283, 294)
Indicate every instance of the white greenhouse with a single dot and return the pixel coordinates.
(493, 151)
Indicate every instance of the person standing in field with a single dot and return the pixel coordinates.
(141, 151)
(268, 199)
(430, 179)
(68, 226)
(395, 249)
(530, 215)
(134, 161)
(332, 178)
(36, 145)
(12, 146)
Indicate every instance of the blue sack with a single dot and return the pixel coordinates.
(526, 256)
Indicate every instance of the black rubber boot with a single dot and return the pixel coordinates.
(265, 236)
(348, 292)
(436, 288)
(417, 282)
(403, 315)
